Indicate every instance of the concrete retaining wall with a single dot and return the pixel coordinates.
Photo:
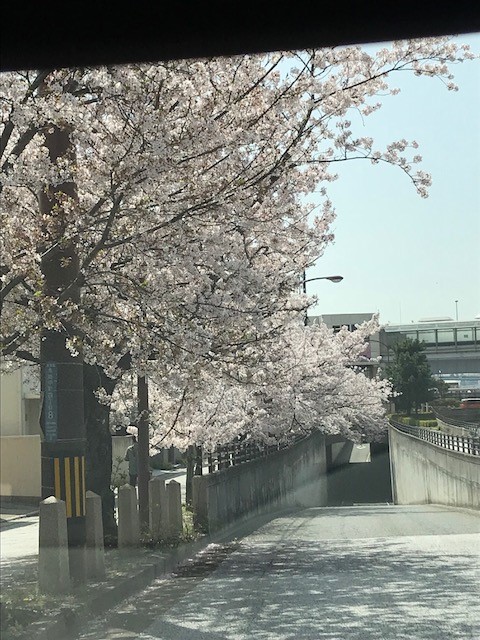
(424, 473)
(452, 430)
(294, 476)
(20, 474)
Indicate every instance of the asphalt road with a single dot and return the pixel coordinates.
(368, 572)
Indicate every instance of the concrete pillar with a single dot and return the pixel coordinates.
(158, 508)
(128, 517)
(53, 561)
(95, 561)
(174, 498)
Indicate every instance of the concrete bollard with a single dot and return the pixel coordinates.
(95, 556)
(53, 562)
(128, 517)
(174, 498)
(158, 508)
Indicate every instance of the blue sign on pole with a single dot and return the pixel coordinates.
(50, 402)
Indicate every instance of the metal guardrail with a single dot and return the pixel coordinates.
(239, 452)
(454, 422)
(461, 444)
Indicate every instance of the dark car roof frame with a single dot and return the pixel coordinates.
(52, 35)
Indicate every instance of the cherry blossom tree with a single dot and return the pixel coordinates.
(160, 212)
(186, 215)
(309, 378)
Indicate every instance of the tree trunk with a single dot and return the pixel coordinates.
(190, 473)
(99, 446)
(62, 418)
(143, 451)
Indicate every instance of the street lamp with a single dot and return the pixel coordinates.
(334, 279)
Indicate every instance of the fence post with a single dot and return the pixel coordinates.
(158, 508)
(174, 498)
(211, 467)
(200, 503)
(198, 461)
(53, 561)
(95, 561)
(128, 517)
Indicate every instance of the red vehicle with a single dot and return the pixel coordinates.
(470, 403)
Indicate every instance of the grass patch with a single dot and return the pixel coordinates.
(188, 534)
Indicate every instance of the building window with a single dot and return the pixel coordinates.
(446, 337)
(411, 335)
(428, 337)
(465, 336)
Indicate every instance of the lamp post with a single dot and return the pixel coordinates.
(456, 310)
(334, 279)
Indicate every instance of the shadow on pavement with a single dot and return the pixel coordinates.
(334, 590)
(17, 571)
(13, 524)
(370, 588)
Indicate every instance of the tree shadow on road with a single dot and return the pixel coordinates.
(372, 589)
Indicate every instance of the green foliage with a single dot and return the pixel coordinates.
(442, 387)
(421, 420)
(156, 463)
(428, 424)
(421, 415)
(23, 605)
(410, 375)
(188, 535)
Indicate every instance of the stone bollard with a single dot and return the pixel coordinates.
(158, 508)
(128, 517)
(95, 557)
(174, 498)
(53, 562)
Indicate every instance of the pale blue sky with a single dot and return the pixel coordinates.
(402, 255)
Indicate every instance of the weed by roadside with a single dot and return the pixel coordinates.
(188, 535)
(24, 604)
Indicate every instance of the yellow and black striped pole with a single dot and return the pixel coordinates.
(63, 452)
(69, 480)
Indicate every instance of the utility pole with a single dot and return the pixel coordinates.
(143, 450)
(62, 417)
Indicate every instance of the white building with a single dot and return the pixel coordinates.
(20, 435)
